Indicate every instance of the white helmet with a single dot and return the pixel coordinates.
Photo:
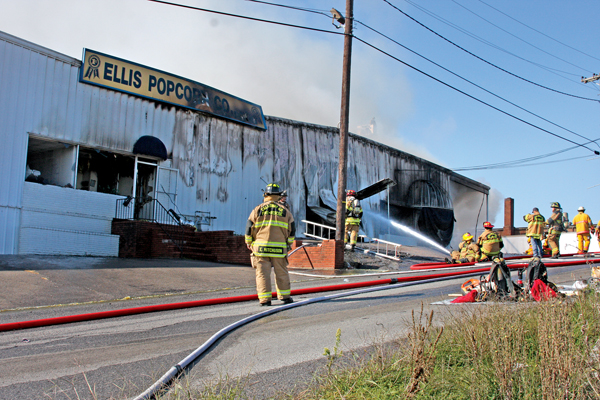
(582, 208)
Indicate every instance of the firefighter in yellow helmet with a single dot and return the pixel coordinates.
(467, 251)
(490, 243)
(555, 229)
(270, 232)
(354, 213)
(583, 227)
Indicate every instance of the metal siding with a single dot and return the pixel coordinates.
(221, 164)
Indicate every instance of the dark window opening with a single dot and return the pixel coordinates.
(52, 162)
(105, 172)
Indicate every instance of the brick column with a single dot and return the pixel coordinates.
(509, 217)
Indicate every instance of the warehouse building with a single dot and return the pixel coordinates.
(87, 141)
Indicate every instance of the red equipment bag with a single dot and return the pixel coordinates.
(467, 298)
(540, 291)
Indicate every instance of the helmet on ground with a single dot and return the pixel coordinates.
(582, 208)
(272, 188)
(488, 225)
(467, 236)
(555, 204)
(351, 193)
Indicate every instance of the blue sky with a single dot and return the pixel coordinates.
(295, 73)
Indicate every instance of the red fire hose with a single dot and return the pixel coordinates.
(199, 303)
(435, 265)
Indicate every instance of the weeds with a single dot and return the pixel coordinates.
(548, 350)
(423, 351)
(331, 357)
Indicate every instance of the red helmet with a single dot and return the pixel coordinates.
(488, 225)
(350, 193)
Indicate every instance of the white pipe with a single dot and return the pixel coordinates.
(175, 370)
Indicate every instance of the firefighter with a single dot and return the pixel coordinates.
(354, 213)
(535, 230)
(490, 243)
(283, 200)
(545, 248)
(583, 226)
(270, 232)
(555, 228)
(467, 251)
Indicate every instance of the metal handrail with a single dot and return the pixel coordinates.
(313, 232)
(153, 211)
(387, 244)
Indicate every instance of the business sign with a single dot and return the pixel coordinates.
(111, 72)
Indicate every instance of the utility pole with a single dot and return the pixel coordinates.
(345, 112)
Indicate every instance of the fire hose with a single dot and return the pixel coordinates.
(180, 367)
(207, 302)
(436, 265)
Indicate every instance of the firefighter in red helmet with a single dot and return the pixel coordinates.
(489, 242)
(353, 215)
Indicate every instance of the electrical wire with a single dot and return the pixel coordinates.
(489, 44)
(474, 84)
(480, 39)
(311, 10)
(245, 17)
(516, 166)
(521, 161)
(374, 47)
(541, 33)
(516, 37)
(473, 97)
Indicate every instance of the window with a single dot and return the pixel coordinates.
(52, 162)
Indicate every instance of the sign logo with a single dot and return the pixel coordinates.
(94, 64)
(125, 76)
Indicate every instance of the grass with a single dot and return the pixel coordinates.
(547, 350)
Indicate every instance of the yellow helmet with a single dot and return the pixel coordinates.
(467, 236)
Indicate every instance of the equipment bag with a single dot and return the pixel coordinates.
(536, 270)
(500, 277)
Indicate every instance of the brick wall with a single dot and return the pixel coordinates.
(141, 239)
(226, 246)
(329, 255)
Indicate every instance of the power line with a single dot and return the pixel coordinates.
(515, 36)
(245, 17)
(489, 44)
(374, 47)
(475, 98)
(472, 83)
(311, 10)
(541, 33)
(515, 162)
(516, 166)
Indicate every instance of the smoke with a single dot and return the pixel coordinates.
(291, 73)
(470, 211)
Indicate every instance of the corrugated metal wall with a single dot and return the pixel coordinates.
(222, 165)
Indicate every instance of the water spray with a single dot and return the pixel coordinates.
(419, 236)
(410, 231)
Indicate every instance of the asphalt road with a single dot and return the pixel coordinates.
(121, 357)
